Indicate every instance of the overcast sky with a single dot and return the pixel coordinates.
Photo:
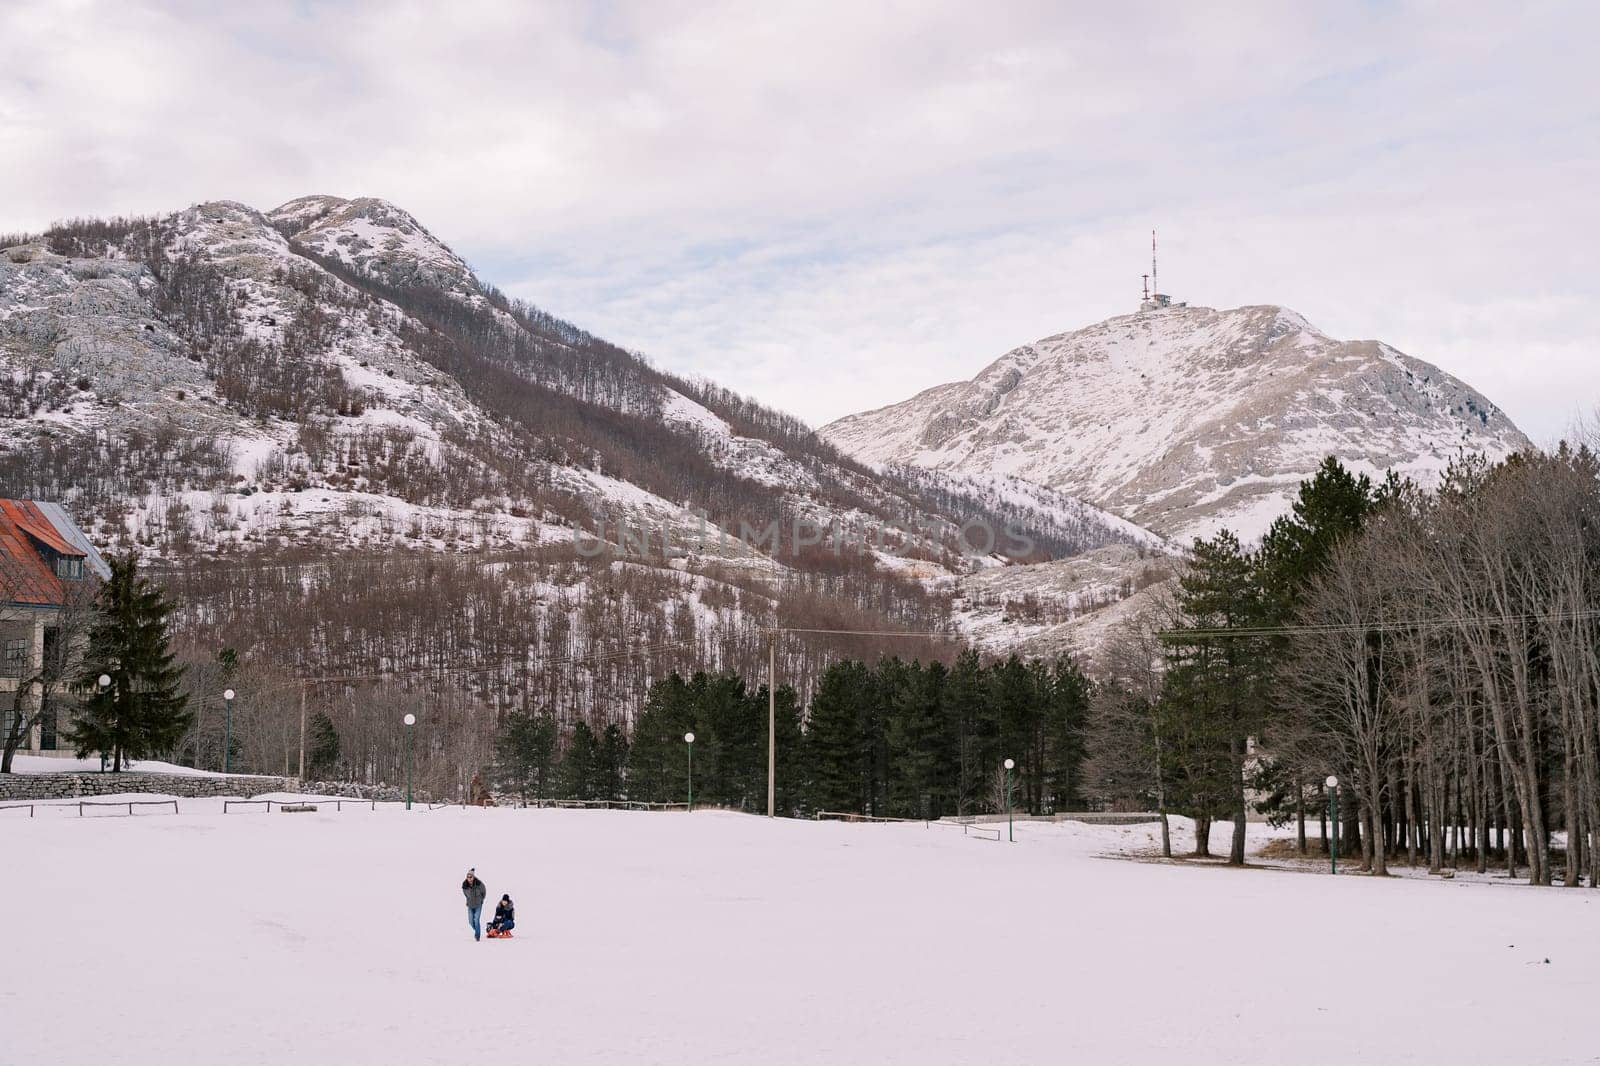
(831, 206)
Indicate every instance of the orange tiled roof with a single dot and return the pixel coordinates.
(25, 575)
(33, 522)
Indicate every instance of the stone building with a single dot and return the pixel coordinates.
(47, 570)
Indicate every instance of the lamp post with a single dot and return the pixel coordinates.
(1333, 821)
(688, 738)
(410, 720)
(1010, 836)
(227, 731)
(772, 720)
(104, 681)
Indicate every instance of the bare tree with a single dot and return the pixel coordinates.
(1341, 673)
(41, 686)
(1125, 744)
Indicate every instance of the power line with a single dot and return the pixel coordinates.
(860, 632)
(567, 660)
(207, 568)
(601, 657)
(503, 665)
(1400, 625)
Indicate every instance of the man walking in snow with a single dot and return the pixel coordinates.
(473, 889)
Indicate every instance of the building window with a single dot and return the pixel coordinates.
(14, 663)
(9, 717)
(69, 567)
(47, 731)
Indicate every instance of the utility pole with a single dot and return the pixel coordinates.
(772, 718)
(302, 773)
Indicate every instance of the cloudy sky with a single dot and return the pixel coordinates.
(831, 206)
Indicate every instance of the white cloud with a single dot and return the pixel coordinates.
(832, 205)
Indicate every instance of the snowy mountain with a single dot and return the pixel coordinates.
(332, 359)
(301, 411)
(1187, 419)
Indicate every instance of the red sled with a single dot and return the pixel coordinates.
(498, 934)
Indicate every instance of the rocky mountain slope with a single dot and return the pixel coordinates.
(295, 415)
(334, 353)
(1187, 419)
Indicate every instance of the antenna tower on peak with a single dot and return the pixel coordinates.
(1154, 299)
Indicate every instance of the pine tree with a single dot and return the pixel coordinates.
(789, 795)
(228, 667)
(141, 713)
(970, 723)
(1196, 747)
(1013, 697)
(612, 764)
(1329, 507)
(730, 747)
(525, 751)
(1213, 699)
(943, 793)
(657, 760)
(914, 734)
(579, 764)
(1065, 716)
(836, 748)
(322, 746)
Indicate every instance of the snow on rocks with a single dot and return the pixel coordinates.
(1051, 608)
(376, 237)
(679, 410)
(1186, 419)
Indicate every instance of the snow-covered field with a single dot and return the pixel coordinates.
(721, 938)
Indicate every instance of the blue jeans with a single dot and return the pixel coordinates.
(473, 913)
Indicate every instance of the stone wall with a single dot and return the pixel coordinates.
(25, 787)
(348, 790)
(1092, 817)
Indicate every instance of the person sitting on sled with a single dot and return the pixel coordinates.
(505, 918)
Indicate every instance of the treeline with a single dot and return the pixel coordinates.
(1070, 529)
(105, 474)
(1439, 653)
(896, 738)
(462, 641)
(541, 348)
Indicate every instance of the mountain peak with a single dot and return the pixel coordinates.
(1185, 419)
(304, 211)
(376, 237)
